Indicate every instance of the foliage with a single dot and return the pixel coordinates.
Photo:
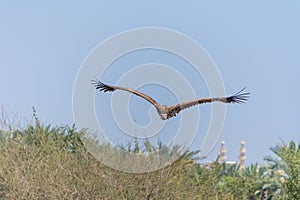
(287, 165)
(250, 182)
(44, 162)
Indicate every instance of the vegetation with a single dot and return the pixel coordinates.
(286, 165)
(44, 162)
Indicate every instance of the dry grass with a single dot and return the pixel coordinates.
(40, 162)
(51, 163)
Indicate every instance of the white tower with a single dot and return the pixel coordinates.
(222, 155)
(242, 156)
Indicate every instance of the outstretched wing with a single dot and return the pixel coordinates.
(108, 88)
(239, 97)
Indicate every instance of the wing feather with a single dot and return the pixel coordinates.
(108, 88)
(239, 97)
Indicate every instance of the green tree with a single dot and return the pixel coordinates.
(249, 183)
(287, 165)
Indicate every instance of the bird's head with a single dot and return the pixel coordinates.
(163, 116)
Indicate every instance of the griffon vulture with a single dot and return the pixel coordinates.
(166, 112)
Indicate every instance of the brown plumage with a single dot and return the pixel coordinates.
(166, 112)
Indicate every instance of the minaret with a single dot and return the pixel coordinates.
(222, 155)
(242, 156)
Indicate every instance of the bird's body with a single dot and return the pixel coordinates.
(165, 112)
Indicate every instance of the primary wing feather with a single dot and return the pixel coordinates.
(108, 88)
(103, 87)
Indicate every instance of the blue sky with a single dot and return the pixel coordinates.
(254, 44)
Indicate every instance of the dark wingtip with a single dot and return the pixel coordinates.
(101, 86)
(239, 97)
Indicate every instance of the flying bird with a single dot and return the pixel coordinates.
(165, 112)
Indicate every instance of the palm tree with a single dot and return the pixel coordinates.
(249, 183)
(287, 166)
